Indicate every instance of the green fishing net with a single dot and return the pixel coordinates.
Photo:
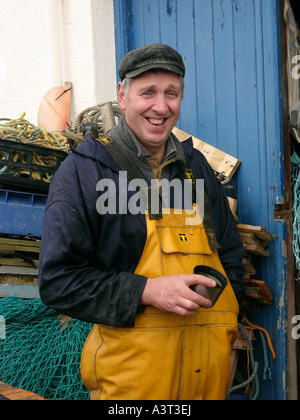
(295, 173)
(40, 351)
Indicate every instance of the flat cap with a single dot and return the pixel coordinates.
(150, 57)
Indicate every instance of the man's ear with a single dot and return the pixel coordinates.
(121, 96)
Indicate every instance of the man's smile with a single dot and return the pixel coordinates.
(156, 121)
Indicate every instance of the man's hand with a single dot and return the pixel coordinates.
(173, 293)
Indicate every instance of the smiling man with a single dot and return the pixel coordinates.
(152, 106)
(132, 273)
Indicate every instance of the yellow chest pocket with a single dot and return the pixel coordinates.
(182, 248)
(174, 247)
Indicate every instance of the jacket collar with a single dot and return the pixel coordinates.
(93, 149)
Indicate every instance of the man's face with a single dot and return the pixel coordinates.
(152, 107)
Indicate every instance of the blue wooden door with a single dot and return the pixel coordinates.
(231, 49)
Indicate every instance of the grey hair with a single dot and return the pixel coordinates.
(126, 83)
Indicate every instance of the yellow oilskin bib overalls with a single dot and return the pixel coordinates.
(167, 356)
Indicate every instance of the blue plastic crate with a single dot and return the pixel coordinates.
(21, 213)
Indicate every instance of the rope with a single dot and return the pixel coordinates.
(253, 379)
(267, 369)
(23, 131)
(92, 114)
(266, 372)
(265, 332)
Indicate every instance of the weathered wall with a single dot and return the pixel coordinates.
(45, 43)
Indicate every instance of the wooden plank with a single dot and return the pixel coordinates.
(4, 386)
(253, 245)
(220, 161)
(232, 204)
(19, 242)
(12, 245)
(255, 239)
(259, 231)
(17, 394)
(249, 267)
(22, 279)
(17, 262)
(241, 342)
(262, 295)
(250, 239)
(256, 250)
(16, 241)
(19, 248)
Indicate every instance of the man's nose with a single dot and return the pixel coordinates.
(160, 105)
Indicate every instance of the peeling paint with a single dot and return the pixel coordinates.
(284, 381)
(281, 322)
(279, 200)
(284, 251)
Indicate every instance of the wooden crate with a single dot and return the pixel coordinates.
(220, 161)
(19, 252)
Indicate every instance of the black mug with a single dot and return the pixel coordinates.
(211, 293)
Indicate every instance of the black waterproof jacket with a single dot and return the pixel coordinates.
(88, 260)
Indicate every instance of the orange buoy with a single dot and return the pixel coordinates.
(55, 109)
